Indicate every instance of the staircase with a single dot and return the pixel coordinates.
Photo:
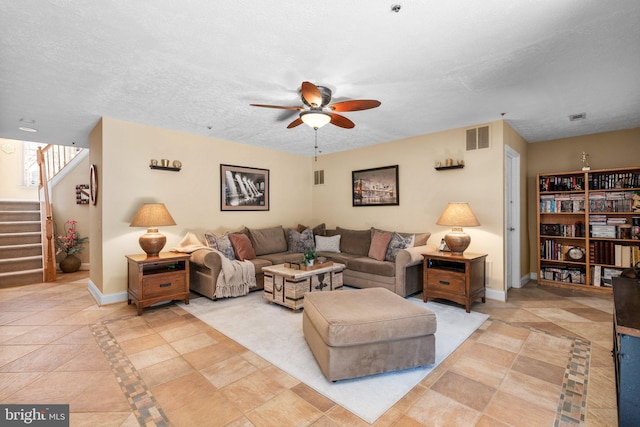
(21, 260)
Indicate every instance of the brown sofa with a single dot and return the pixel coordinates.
(271, 246)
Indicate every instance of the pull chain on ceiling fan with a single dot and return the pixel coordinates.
(317, 110)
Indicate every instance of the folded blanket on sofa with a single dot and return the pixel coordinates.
(235, 278)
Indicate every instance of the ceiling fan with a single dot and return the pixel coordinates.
(317, 110)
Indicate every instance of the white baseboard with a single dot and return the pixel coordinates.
(496, 294)
(106, 299)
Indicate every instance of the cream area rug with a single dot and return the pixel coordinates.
(275, 334)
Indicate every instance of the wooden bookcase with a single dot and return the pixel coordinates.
(588, 227)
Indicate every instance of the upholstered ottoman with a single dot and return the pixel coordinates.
(355, 333)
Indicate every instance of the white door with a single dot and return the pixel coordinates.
(512, 216)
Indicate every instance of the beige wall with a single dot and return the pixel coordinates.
(424, 192)
(606, 150)
(191, 195)
(95, 211)
(63, 203)
(11, 168)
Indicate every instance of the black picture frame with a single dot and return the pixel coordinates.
(243, 188)
(376, 187)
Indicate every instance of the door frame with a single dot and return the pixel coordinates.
(512, 224)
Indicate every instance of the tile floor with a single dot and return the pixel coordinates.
(529, 365)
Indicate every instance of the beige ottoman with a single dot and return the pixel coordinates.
(363, 332)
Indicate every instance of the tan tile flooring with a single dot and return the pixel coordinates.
(168, 368)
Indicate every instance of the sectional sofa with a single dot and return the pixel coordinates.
(373, 257)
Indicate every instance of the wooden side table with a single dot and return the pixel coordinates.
(156, 279)
(458, 278)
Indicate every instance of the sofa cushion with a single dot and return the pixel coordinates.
(268, 240)
(372, 266)
(242, 246)
(301, 241)
(221, 243)
(379, 242)
(354, 241)
(396, 244)
(328, 244)
(282, 257)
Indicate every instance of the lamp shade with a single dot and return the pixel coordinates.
(315, 119)
(458, 215)
(152, 215)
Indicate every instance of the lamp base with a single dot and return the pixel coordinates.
(152, 242)
(457, 240)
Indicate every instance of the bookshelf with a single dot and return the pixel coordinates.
(588, 226)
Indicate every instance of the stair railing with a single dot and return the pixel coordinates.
(56, 157)
(48, 244)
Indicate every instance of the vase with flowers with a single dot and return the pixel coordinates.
(70, 243)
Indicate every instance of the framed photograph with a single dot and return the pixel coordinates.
(376, 187)
(244, 188)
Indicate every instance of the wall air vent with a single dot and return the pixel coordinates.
(576, 117)
(318, 177)
(478, 138)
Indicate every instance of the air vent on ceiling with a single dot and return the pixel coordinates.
(318, 177)
(576, 117)
(478, 138)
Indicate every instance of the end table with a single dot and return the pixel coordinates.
(458, 278)
(156, 279)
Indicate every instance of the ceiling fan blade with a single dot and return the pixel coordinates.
(354, 105)
(281, 107)
(341, 121)
(295, 123)
(311, 94)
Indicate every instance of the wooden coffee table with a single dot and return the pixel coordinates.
(286, 286)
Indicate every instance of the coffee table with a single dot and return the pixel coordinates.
(286, 286)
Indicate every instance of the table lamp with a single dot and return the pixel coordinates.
(152, 215)
(458, 215)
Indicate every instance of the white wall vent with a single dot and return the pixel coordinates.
(478, 138)
(318, 177)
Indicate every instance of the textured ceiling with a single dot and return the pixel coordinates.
(196, 65)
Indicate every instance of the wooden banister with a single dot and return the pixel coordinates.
(48, 245)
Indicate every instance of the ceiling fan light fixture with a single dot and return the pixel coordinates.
(315, 119)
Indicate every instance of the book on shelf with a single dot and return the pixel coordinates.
(613, 180)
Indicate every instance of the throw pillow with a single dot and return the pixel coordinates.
(396, 244)
(319, 229)
(328, 244)
(300, 242)
(379, 243)
(222, 244)
(242, 246)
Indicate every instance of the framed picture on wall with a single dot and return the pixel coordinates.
(244, 188)
(376, 187)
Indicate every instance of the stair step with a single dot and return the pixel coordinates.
(26, 277)
(19, 264)
(7, 239)
(8, 216)
(19, 205)
(19, 251)
(20, 226)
